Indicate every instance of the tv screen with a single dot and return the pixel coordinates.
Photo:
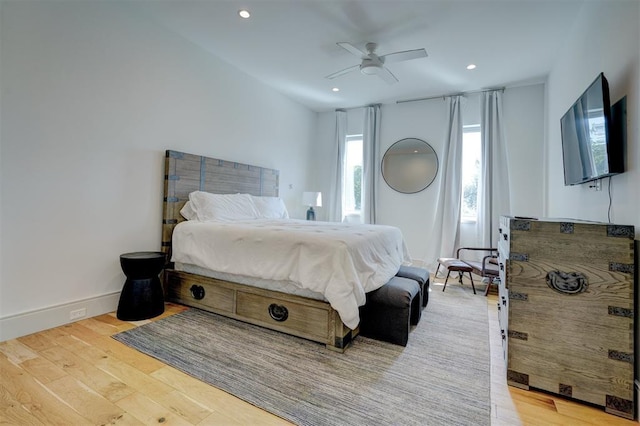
(588, 150)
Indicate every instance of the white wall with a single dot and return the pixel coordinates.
(426, 120)
(524, 131)
(92, 96)
(606, 39)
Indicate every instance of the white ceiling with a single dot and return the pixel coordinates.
(290, 45)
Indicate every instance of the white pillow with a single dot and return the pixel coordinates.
(222, 207)
(188, 212)
(270, 207)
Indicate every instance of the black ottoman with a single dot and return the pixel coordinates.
(142, 296)
(391, 310)
(421, 276)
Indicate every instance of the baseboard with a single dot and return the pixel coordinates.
(43, 319)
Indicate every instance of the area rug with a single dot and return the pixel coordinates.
(442, 377)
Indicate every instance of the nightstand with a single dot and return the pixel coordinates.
(142, 296)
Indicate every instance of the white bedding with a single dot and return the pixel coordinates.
(339, 260)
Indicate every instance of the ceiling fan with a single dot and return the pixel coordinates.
(373, 64)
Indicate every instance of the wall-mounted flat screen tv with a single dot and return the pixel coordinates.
(589, 151)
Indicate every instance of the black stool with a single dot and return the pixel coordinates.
(419, 275)
(391, 310)
(142, 296)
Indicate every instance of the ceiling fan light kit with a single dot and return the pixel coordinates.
(370, 68)
(373, 64)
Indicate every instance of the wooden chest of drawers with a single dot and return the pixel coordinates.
(566, 300)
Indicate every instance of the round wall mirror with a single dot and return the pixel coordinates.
(409, 165)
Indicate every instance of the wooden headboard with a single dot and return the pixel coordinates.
(185, 173)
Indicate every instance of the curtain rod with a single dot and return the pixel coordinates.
(357, 107)
(501, 89)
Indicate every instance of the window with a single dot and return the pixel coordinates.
(352, 181)
(471, 157)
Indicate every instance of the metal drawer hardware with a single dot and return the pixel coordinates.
(620, 312)
(197, 291)
(626, 268)
(566, 227)
(519, 296)
(518, 335)
(521, 225)
(567, 282)
(519, 257)
(278, 312)
(620, 231)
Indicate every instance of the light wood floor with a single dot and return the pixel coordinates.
(77, 375)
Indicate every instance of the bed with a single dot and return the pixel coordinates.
(290, 300)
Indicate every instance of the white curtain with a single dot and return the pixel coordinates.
(370, 163)
(493, 188)
(335, 202)
(446, 226)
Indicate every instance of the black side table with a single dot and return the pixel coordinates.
(142, 296)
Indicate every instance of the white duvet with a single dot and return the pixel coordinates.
(339, 260)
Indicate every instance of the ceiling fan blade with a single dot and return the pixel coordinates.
(343, 72)
(352, 49)
(386, 75)
(403, 56)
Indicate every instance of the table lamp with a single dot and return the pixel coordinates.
(312, 199)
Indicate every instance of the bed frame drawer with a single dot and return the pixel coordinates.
(200, 293)
(308, 318)
(308, 321)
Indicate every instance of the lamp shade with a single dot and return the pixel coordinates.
(312, 199)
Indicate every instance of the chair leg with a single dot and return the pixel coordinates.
(460, 275)
(486, 290)
(437, 269)
(472, 286)
(445, 280)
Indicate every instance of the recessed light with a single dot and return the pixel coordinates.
(471, 66)
(335, 89)
(244, 13)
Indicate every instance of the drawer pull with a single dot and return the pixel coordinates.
(567, 282)
(278, 312)
(505, 237)
(197, 291)
(502, 267)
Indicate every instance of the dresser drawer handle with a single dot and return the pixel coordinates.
(567, 282)
(505, 236)
(278, 312)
